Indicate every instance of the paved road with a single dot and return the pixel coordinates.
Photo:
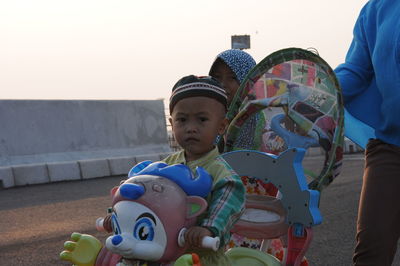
(36, 220)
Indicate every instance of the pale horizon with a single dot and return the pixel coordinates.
(137, 50)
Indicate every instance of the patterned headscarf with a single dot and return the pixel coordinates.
(238, 61)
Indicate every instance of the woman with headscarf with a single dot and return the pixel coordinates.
(230, 68)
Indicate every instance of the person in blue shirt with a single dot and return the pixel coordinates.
(370, 79)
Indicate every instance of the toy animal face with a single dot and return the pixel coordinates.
(148, 214)
(138, 232)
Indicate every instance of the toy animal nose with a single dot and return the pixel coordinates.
(131, 191)
(116, 240)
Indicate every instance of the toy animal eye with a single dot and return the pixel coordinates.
(144, 229)
(115, 225)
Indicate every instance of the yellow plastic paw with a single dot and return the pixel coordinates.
(81, 250)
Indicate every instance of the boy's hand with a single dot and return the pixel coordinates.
(195, 235)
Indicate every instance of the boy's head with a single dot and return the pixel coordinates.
(230, 68)
(197, 107)
(192, 86)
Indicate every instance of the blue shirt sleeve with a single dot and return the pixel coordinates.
(356, 73)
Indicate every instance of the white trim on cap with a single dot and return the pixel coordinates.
(199, 85)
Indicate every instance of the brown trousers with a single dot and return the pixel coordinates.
(378, 224)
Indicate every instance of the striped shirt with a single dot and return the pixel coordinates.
(227, 198)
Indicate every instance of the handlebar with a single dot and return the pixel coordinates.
(99, 225)
(207, 241)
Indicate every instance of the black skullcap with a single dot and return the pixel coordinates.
(192, 86)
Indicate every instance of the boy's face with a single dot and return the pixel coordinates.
(227, 78)
(196, 122)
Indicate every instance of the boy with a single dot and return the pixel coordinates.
(197, 107)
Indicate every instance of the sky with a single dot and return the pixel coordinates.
(138, 49)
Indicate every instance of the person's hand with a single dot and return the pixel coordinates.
(195, 235)
(81, 250)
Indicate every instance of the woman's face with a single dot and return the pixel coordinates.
(227, 78)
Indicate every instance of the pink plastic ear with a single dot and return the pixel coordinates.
(195, 206)
(113, 191)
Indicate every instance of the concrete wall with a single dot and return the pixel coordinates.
(51, 140)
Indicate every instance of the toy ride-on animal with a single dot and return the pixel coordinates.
(152, 209)
(149, 211)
